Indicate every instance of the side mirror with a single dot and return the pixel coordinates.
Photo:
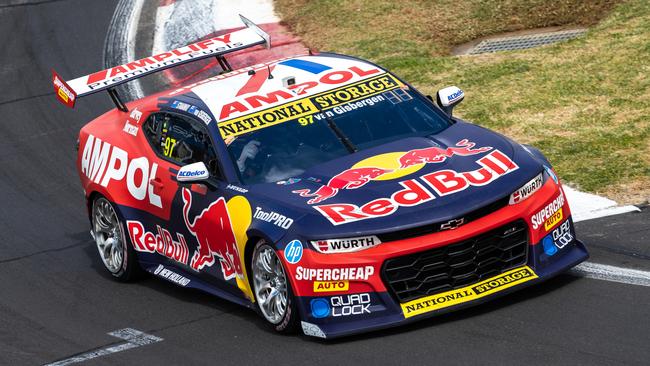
(194, 173)
(449, 97)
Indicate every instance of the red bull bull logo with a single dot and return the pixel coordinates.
(348, 179)
(406, 163)
(438, 155)
(214, 233)
(437, 184)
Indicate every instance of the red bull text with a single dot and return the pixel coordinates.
(162, 243)
(358, 177)
(443, 182)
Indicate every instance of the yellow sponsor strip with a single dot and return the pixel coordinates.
(302, 107)
(357, 91)
(472, 292)
(382, 75)
(553, 220)
(266, 118)
(331, 286)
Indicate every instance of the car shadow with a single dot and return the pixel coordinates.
(198, 297)
(520, 296)
(149, 281)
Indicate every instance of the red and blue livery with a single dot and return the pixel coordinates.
(320, 190)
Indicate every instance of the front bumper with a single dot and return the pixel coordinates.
(393, 314)
(334, 303)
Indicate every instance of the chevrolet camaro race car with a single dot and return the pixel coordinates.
(320, 190)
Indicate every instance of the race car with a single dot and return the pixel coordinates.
(321, 190)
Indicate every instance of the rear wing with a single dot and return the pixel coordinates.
(68, 92)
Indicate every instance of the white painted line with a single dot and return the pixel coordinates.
(163, 14)
(613, 274)
(227, 12)
(590, 215)
(134, 338)
(587, 206)
(182, 22)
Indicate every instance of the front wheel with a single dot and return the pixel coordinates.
(116, 254)
(273, 294)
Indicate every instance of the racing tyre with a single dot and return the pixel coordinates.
(273, 293)
(115, 252)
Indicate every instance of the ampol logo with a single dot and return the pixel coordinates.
(102, 163)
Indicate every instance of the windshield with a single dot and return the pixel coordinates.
(287, 149)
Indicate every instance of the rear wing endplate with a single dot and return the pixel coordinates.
(68, 92)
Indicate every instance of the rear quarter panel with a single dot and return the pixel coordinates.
(116, 160)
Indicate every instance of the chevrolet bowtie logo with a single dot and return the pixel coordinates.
(452, 224)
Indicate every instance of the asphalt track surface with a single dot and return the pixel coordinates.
(56, 300)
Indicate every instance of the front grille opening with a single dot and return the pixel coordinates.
(435, 227)
(457, 265)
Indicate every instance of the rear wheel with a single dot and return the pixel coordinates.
(273, 293)
(116, 254)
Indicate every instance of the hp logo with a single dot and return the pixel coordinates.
(293, 252)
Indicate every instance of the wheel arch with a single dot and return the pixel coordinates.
(254, 236)
(92, 196)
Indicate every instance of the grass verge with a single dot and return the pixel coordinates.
(585, 103)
